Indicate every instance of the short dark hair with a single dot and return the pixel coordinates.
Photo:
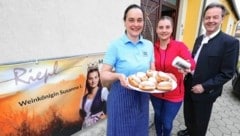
(131, 7)
(215, 5)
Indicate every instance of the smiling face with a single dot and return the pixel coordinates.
(164, 29)
(93, 79)
(134, 23)
(212, 20)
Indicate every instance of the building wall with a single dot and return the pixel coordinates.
(192, 21)
(42, 29)
(230, 21)
(181, 19)
(37, 29)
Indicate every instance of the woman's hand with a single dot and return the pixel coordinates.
(102, 116)
(123, 80)
(184, 71)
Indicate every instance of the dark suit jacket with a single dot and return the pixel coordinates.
(215, 66)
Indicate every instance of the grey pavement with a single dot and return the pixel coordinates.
(225, 119)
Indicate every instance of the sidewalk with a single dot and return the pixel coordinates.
(225, 119)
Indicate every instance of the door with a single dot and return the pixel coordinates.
(154, 9)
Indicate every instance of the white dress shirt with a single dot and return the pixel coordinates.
(204, 41)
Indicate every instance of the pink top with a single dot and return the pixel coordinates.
(163, 62)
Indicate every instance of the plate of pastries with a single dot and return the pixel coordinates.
(151, 82)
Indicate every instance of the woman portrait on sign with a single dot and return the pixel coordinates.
(93, 106)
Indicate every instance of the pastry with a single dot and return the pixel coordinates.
(161, 76)
(151, 73)
(142, 76)
(147, 86)
(164, 86)
(134, 80)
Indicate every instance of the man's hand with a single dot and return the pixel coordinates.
(198, 89)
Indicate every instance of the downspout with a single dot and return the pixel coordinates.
(203, 7)
(235, 9)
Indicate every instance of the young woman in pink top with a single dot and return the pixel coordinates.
(166, 105)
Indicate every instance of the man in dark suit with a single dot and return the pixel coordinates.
(216, 55)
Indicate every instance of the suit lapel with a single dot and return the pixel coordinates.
(197, 45)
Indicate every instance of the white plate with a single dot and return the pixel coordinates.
(174, 85)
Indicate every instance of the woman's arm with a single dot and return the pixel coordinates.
(152, 66)
(108, 76)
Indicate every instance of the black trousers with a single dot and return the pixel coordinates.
(196, 112)
(197, 115)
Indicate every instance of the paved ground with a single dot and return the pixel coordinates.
(225, 119)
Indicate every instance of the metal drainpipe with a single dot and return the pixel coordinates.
(203, 7)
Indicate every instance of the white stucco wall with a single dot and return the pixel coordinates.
(44, 29)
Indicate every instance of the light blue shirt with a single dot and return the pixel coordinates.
(128, 58)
